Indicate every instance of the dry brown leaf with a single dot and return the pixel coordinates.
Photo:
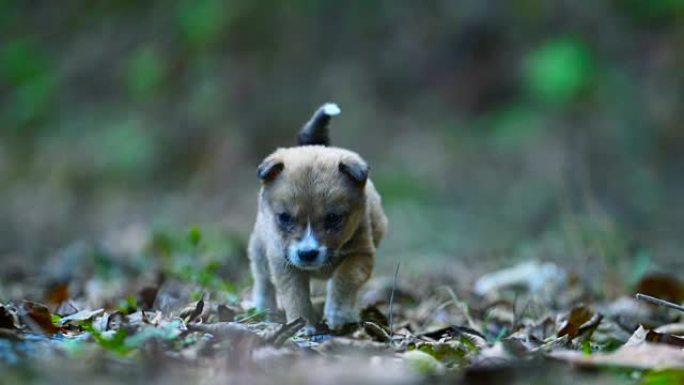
(373, 314)
(662, 338)
(661, 286)
(191, 313)
(579, 315)
(38, 318)
(57, 293)
(285, 332)
(376, 332)
(146, 297)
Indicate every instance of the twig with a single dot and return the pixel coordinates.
(285, 332)
(659, 301)
(391, 302)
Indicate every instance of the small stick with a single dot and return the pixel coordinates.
(391, 302)
(659, 301)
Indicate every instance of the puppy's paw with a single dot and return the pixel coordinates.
(264, 302)
(338, 318)
(309, 330)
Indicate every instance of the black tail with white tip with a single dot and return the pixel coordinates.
(315, 131)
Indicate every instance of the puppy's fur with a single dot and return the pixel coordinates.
(319, 216)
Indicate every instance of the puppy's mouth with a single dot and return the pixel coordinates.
(308, 258)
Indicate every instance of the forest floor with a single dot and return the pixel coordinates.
(174, 312)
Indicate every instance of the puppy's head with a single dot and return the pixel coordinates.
(315, 198)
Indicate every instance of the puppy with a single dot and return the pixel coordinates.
(320, 217)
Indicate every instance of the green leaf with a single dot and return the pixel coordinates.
(195, 235)
(664, 377)
(448, 354)
(33, 99)
(145, 72)
(21, 61)
(129, 305)
(201, 22)
(422, 362)
(114, 342)
(166, 332)
(558, 70)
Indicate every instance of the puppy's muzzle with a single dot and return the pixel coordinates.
(308, 255)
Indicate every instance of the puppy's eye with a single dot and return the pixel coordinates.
(333, 220)
(285, 219)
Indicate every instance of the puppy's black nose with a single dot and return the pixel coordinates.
(307, 255)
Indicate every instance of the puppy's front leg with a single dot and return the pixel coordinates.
(294, 293)
(263, 294)
(343, 288)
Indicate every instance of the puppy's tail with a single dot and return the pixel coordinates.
(315, 131)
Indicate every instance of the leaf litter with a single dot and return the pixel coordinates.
(524, 323)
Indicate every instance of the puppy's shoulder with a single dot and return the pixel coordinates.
(376, 214)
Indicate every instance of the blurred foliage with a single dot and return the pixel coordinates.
(494, 129)
(210, 261)
(144, 73)
(559, 70)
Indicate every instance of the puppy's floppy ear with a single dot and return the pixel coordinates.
(269, 169)
(356, 170)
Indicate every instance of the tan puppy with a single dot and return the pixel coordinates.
(319, 217)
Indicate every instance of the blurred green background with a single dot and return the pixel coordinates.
(496, 130)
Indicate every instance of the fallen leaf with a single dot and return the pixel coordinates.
(676, 329)
(8, 319)
(662, 338)
(80, 316)
(38, 318)
(543, 329)
(423, 363)
(223, 329)
(191, 313)
(644, 356)
(661, 286)
(57, 292)
(535, 277)
(375, 331)
(663, 377)
(225, 314)
(147, 296)
(579, 315)
(373, 314)
(637, 338)
(285, 332)
(346, 345)
(637, 352)
(451, 332)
